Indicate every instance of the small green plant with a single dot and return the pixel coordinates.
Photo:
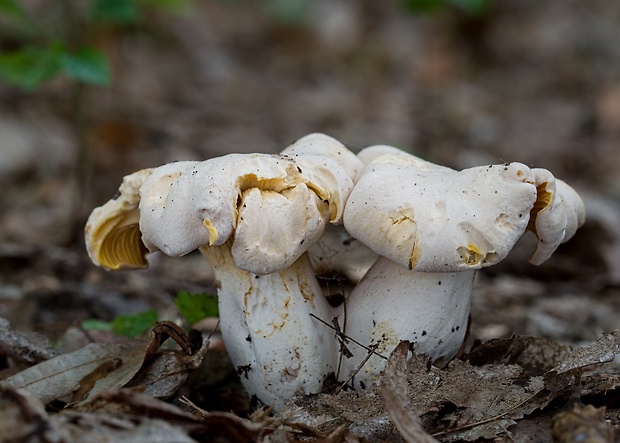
(129, 325)
(41, 41)
(195, 307)
(469, 7)
(57, 40)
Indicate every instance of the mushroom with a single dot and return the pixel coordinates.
(433, 227)
(253, 217)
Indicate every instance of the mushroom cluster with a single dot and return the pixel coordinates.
(410, 234)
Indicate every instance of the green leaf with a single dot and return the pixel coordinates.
(87, 65)
(423, 6)
(96, 325)
(31, 66)
(195, 307)
(13, 9)
(472, 7)
(119, 12)
(171, 5)
(134, 324)
(291, 12)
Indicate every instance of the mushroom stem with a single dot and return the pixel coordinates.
(391, 303)
(279, 350)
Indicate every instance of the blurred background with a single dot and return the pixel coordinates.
(92, 90)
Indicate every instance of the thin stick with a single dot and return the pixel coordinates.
(371, 350)
(359, 368)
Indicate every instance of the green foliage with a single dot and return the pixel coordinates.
(118, 12)
(131, 325)
(292, 12)
(12, 9)
(93, 324)
(63, 47)
(471, 7)
(129, 12)
(32, 66)
(87, 65)
(195, 307)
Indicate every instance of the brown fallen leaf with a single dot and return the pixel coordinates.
(466, 402)
(528, 352)
(395, 395)
(23, 417)
(569, 371)
(163, 330)
(164, 374)
(198, 424)
(88, 427)
(600, 351)
(27, 349)
(60, 376)
(89, 380)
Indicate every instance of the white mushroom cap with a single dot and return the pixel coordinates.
(275, 228)
(330, 169)
(252, 198)
(434, 219)
(556, 216)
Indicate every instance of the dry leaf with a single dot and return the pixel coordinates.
(527, 352)
(30, 350)
(204, 426)
(466, 402)
(60, 376)
(395, 395)
(82, 427)
(600, 351)
(167, 371)
(22, 417)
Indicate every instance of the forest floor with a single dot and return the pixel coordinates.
(528, 81)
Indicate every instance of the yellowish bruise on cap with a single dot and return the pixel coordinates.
(471, 254)
(213, 234)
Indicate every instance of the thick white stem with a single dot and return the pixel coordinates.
(391, 304)
(279, 349)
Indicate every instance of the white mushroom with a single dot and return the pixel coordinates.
(253, 217)
(434, 227)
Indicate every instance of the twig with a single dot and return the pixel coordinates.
(359, 368)
(369, 349)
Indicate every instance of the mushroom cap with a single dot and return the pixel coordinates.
(432, 218)
(556, 216)
(252, 198)
(329, 167)
(274, 228)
